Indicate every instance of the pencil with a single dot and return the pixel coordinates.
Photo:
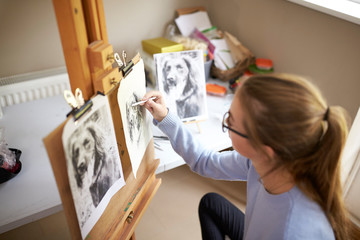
(143, 101)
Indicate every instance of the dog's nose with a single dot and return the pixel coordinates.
(82, 168)
(171, 81)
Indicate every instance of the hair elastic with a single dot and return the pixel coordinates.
(326, 114)
(325, 123)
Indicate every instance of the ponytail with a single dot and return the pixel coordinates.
(321, 180)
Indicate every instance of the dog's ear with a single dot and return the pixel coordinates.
(127, 108)
(165, 85)
(74, 165)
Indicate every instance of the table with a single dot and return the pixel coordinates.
(211, 134)
(33, 193)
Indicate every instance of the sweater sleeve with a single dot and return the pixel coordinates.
(228, 165)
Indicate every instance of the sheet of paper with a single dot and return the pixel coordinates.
(136, 123)
(188, 22)
(93, 162)
(222, 57)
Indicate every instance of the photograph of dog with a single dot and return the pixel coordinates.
(181, 79)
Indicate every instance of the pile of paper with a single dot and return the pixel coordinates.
(198, 25)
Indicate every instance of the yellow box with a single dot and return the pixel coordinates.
(161, 45)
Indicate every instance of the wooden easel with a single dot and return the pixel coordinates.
(197, 124)
(89, 59)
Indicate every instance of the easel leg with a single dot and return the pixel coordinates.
(198, 126)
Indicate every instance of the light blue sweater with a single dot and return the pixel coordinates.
(290, 215)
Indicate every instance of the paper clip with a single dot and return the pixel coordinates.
(77, 103)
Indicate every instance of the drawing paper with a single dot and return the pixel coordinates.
(222, 55)
(188, 22)
(93, 162)
(136, 121)
(181, 80)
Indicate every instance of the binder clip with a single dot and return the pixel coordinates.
(124, 67)
(79, 106)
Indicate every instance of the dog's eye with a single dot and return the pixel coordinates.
(179, 67)
(76, 153)
(86, 144)
(168, 68)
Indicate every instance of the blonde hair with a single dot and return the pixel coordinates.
(289, 114)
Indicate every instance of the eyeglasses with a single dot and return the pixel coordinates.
(225, 126)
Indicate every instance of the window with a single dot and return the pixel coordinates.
(345, 9)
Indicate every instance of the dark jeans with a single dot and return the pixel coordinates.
(219, 217)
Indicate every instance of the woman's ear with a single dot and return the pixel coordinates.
(270, 153)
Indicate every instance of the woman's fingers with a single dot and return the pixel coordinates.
(155, 106)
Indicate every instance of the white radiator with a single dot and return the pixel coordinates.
(15, 90)
(26, 91)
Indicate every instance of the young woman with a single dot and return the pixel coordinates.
(287, 145)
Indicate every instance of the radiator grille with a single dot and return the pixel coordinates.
(17, 91)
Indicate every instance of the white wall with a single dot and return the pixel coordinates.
(30, 41)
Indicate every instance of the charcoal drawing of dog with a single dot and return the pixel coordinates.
(94, 171)
(134, 117)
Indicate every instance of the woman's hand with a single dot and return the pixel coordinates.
(157, 106)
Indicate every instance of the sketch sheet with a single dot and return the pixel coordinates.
(93, 162)
(136, 121)
(188, 22)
